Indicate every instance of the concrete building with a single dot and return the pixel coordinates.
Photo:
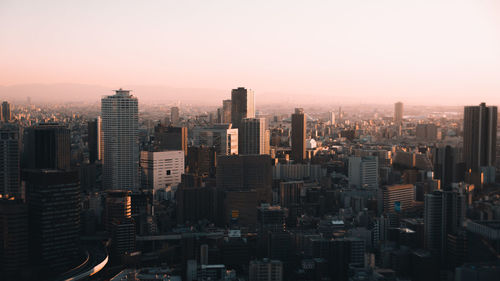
(426, 132)
(396, 198)
(161, 169)
(398, 112)
(223, 137)
(363, 172)
(266, 270)
(6, 115)
(226, 111)
(299, 135)
(174, 115)
(121, 149)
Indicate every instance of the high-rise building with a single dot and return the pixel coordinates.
(174, 115)
(121, 149)
(246, 172)
(226, 111)
(299, 135)
(363, 172)
(253, 131)
(13, 238)
(94, 140)
(398, 112)
(201, 160)
(47, 146)
(448, 166)
(396, 198)
(331, 118)
(6, 116)
(222, 137)
(289, 193)
(242, 105)
(118, 205)
(161, 169)
(480, 136)
(170, 138)
(53, 198)
(10, 161)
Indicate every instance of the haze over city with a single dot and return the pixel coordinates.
(338, 52)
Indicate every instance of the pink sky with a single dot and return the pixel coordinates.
(421, 52)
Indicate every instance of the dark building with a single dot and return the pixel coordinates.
(201, 160)
(10, 160)
(47, 146)
(170, 138)
(13, 238)
(448, 166)
(6, 117)
(194, 202)
(480, 136)
(226, 111)
(242, 106)
(299, 135)
(94, 140)
(289, 193)
(119, 222)
(53, 198)
(118, 206)
(246, 172)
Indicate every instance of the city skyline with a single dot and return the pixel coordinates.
(354, 52)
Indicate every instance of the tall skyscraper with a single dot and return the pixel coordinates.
(242, 105)
(10, 160)
(448, 166)
(6, 117)
(94, 140)
(174, 115)
(121, 149)
(222, 137)
(331, 118)
(398, 112)
(253, 131)
(170, 138)
(47, 146)
(53, 198)
(363, 172)
(226, 111)
(299, 135)
(480, 136)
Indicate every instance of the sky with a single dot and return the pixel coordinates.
(325, 51)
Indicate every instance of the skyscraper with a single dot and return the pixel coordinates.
(174, 115)
(398, 112)
(253, 131)
(120, 132)
(170, 138)
(226, 111)
(448, 166)
(222, 137)
(480, 135)
(47, 146)
(242, 105)
(299, 135)
(6, 117)
(53, 198)
(94, 142)
(9, 160)
(331, 118)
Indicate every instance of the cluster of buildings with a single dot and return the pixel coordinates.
(247, 195)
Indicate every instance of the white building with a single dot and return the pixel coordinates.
(161, 169)
(363, 172)
(120, 138)
(222, 136)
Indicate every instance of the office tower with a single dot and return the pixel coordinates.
(118, 205)
(201, 161)
(47, 146)
(290, 193)
(94, 140)
(9, 161)
(331, 118)
(480, 135)
(396, 198)
(161, 169)
(426, 132)
(246, 172)
(398, 112)
(298, 135)
(121, 149)
(13, 238)
(242, 106)
(118, 221)
(444, 214)
(174, 115)
(266, 270)
(226, 111)
(222, 137)
(448, 166)
(170, 138)
(253, 131)
(6, 117)
(363, 172)
(53, 198)
(194, 202)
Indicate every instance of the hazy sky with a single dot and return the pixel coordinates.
(422, 52)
